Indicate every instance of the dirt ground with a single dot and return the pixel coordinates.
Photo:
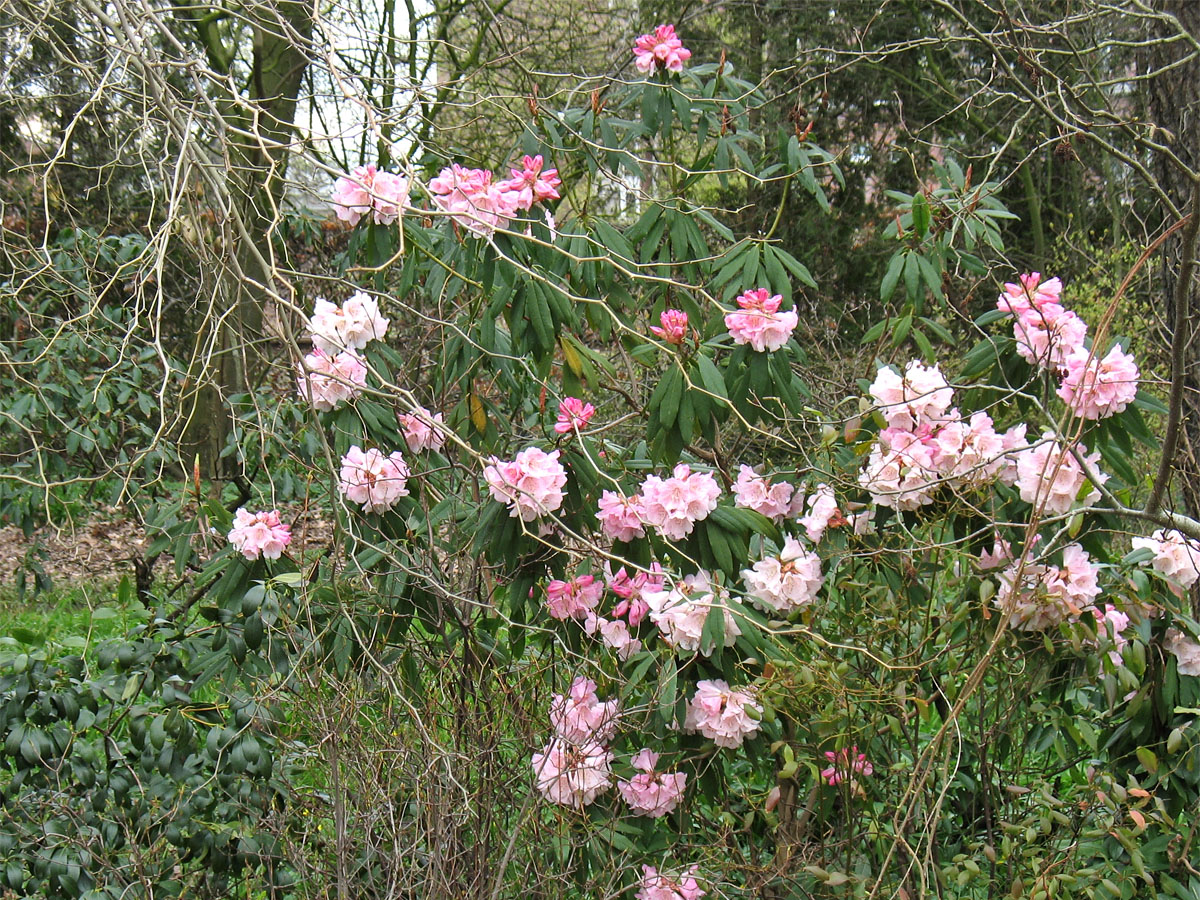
(106, 547)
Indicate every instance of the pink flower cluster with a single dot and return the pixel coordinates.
(759, 322)
(1043, 596)
(327, 381)
(573, 599)
(1052, 337)
(660, 49)
(822, 513)
(652, 793)
(531, 485)
(370, 189)
(372, 479)
(847, 765)
(422, 430)
(1185, 650)
(632, 591)
(785, 582)
(260, 534)
(350, 326)
(1175, 556)
(674, 326)
(573, 415)
(656, 885)
(1097, 388)
(674, 505)
(928, 444)
(772, 499)
(479, 203)
(1049, 475)
(576, 766)
(620, 516)
(1110, 623)
(680, 613)
(726, 716)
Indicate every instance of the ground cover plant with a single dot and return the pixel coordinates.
(623, 585)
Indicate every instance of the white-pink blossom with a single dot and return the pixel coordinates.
(1176, 556)
(759, 493)
(681, 611)
(573, 599)
(369, 189)
(1030, 294)
(422, 430)
(572, 775)
(1097, 388)
(785, 582)
(328, 381)
(1049, 475)
(1047, 595)
(620, 516)
(474, 199)
(1047, 338)
(822, 513)
(660, 49)
(726, 716)
(651, 793)
(907, 401)
(900, 471)
(674, 505)
(531, 485)
(580, 716)
(1185, 650)
(1110, 623)
(614, 633)
(350, 326)
(372, 479)
(759, 323)
(260, 534)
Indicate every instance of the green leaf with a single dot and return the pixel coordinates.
(710, 376)
(920, 215)
(712, 635)
(892, 276)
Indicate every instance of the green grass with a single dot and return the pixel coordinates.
(73, 618)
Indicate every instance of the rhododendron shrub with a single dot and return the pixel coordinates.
(722, 596)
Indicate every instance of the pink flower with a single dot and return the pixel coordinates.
(722, 714)
(327, 382)
(580, 717)
(1096, 388)
(348, 327)
(620, 516)
(660, 49)
(921, 395)
(848, 765)
(632, 591)
(756, 492)
(901, 472)
(649, 793)
(968, 452)
(573, 599)
(785, 582)
(261, 534)
(531, 484)
(1000, 554)
(1185, 650)
(473, 200)
(372, 479)
(1045, 596)
(369, 189)
(759, 323)
(1030, 294)
(822, 512)
(1176, 556)
(676, 504)
(572, 775)
(422, 430)
(614, 633)
(1049, 474)
(674, 326)
(530, 184)
(1047, 338)
(680, 613)
(573, 415)
(1110, 622)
